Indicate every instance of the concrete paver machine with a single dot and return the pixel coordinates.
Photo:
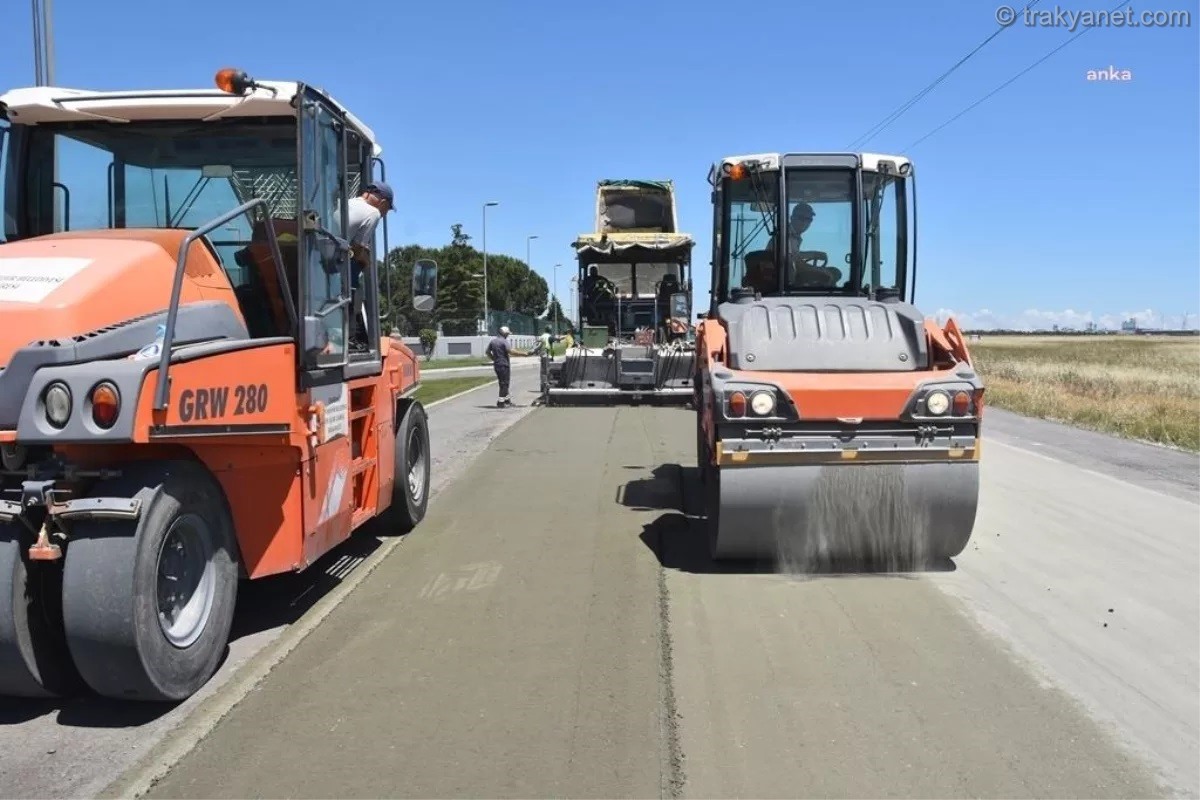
(634, 302)
(837, 427)
(183, 401)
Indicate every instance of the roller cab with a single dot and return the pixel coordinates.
(837, 427)
(188, 398)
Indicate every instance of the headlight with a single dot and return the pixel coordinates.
(762, 403)
(937, 403)
(58, 404)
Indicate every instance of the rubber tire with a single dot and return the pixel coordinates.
(34, 659)
(110, 586)
(406, 511)
(712, 507)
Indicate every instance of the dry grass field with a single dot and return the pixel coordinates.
(1139, 387)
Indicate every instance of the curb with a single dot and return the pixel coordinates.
(141, 776)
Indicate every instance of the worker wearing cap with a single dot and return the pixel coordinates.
(498, 350)
(799, 221)
(363, 215)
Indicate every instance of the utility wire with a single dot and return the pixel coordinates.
(895, 115)
(1006, 83)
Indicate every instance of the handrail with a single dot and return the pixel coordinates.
(161, 392)
(387, 274)
(66, 203)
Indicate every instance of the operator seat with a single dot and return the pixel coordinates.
(262, 298)
(668, 286)
(761, 274)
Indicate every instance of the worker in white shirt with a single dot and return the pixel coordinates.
(363, 215)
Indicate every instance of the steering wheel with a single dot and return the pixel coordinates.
(815, 259)
(603, 288)
(810, 268)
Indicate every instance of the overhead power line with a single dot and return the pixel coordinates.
(1011, 80)
(899, 112)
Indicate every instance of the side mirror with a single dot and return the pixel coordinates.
(679, 305)
(424, 285)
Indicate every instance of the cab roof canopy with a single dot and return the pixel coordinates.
(635, 220)
(772, 161)
(49, 104)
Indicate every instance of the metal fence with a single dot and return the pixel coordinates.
(471, 326)
(525, 324)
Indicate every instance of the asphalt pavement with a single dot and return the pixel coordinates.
(554, 629)
(77, 747)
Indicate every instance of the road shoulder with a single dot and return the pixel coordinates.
(1162, 469)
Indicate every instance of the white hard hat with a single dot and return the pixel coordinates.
(504, 330)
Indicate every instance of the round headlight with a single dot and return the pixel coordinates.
(937, 403)
(58, 404)
(762, 403)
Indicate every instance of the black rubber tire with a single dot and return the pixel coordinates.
(34, 659)
(712, 507)
(408, 507)
(110, 586)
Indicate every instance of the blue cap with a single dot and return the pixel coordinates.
(383, 190)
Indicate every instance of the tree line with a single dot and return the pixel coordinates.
(512, 287)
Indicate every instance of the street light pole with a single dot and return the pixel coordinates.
(48, 35)
(528, 259)
(554, 294)
(574, 283)
(486, 327)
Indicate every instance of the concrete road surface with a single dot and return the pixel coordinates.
(554, 629)
(74, 749)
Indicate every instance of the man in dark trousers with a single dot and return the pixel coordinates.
(499, 351)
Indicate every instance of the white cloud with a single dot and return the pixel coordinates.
(1034, 319)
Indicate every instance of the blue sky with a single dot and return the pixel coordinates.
(1057, 200)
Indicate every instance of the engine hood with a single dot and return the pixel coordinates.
(824, 334)
(70, 284)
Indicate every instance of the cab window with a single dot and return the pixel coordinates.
(885, 246)
(748, 227)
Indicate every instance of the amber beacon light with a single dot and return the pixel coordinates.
(233, 81)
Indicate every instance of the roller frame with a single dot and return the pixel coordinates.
(762, 472)
(597, 374)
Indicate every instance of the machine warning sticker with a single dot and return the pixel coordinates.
(219, 401)
(337, 409)
(30, 280)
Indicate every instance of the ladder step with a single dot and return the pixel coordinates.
(362, 412)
